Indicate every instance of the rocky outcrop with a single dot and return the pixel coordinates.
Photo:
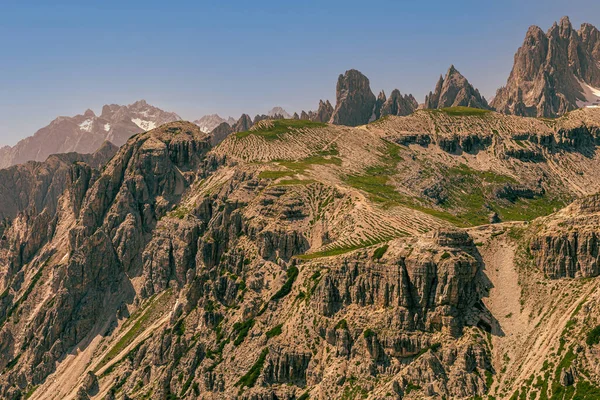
(568, 242)
(103, 240)
(220, 133)
(355, 102)
(512, 192)
(412, 283)
(85, 133)
(37, 186)
(553, 72)
(397, 104)
(324, 112)
(243, 124)
(286, 367)
(454, 90)
(381, 98)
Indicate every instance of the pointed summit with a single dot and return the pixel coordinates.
(454, 90)
(381, 98)
(85, 133)
(324, 112)
(553, 72)
(397, 104)
(243, 124)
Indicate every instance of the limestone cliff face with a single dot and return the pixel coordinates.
(568, 244)
(397, 104)
(102, 233)
(355, 102)
(553, 72)
(37, 186)
(429, 290)
(454, 90)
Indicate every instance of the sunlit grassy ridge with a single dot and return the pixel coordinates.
(279, 127)
(461, 111)
(470, 197)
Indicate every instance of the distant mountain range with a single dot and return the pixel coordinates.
(209, 122)
(553, 73)
(85, 133)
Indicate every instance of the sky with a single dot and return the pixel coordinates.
(233, 57)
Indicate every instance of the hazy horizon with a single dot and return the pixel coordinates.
(197, 59)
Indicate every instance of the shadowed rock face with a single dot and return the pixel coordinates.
(220, 133)
(454, 90)
(397, 104)
(36, 186)
(355, 102)
(549, 70)
(243, 124)
(324, 112)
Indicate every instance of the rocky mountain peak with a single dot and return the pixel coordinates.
(85, 133)
(590, 40)
(381, 98)
(355, 102)
(243, 124)
(324, 112)
(209, 122)
(454, 90)
(553, 72)
(140, 104)
(397, 104)
(278, 111)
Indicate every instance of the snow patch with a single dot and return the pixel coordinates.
(107, 127)
(592, 96)
(86, 125)
(143, 124)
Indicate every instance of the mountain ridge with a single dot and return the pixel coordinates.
(553, 73)
(86, 132)
(373, 249)
(177, 258)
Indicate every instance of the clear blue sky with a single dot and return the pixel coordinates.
(229, 57)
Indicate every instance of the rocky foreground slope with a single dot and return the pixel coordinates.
(303, 260)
